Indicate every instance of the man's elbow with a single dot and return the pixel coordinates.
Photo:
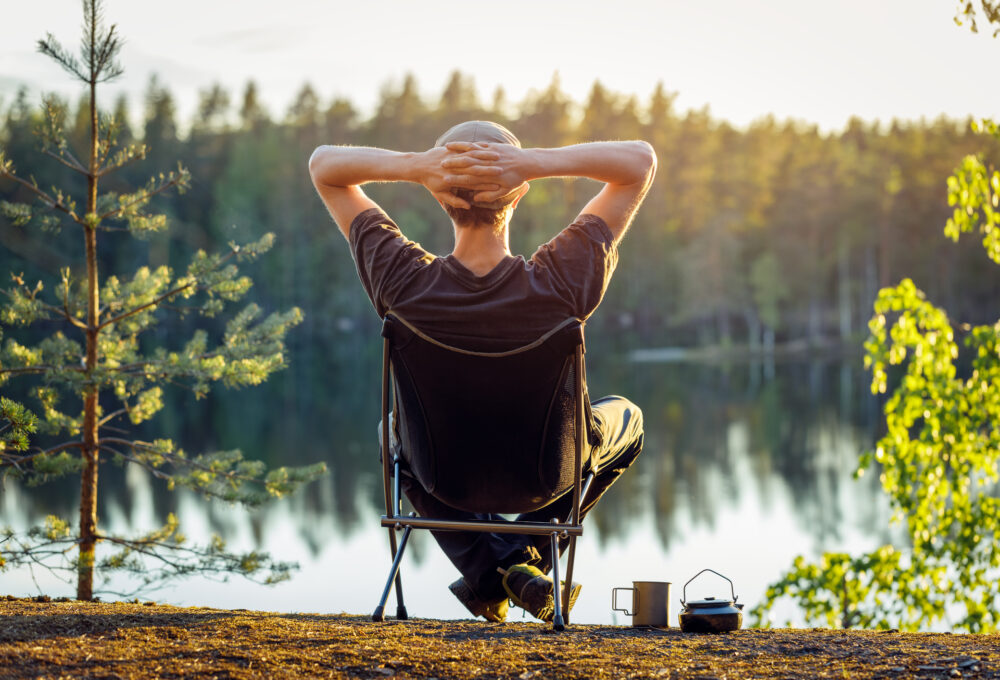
(646, 160)
(323, 165)
(317, 161)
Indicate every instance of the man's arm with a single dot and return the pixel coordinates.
(339, 171)
(626, 168)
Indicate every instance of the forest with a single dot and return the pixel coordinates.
(771, 235)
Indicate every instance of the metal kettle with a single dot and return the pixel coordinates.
(711, 615)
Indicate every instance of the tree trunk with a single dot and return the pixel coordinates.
(871, 283)
(88, 478)
(844, 291)
(768, 352)
(722, 322)
(753, 329)
(883, 252)
(815, 321)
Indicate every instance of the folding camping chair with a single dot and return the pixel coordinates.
(474, 427)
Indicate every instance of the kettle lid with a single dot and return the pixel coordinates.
(709, 603)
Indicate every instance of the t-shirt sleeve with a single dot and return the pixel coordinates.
(386, 260)
(579, 262)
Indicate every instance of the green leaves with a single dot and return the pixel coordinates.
(24, 304)
(967, 12)
(18, 214)
(939, 457)
(225, 475)
(254, 351)
(131, 207)
(16, 425)
(974, 191)
(940, 464)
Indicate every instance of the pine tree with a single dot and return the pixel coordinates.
(98, 352)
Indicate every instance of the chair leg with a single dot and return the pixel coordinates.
(557, 619)
(378, 614)
(569, 575)
(401, 614)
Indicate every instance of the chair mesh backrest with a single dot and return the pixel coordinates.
(486, 433)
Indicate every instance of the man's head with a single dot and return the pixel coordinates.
(493, 215)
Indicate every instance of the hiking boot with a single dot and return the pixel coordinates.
(531, 590)
(491, 611)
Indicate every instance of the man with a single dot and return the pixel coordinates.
(482, 298)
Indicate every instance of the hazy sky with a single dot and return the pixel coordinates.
(817, 61)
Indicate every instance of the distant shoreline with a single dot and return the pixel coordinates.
(793, 349)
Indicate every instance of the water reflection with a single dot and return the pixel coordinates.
(734, 453)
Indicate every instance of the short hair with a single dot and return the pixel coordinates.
(475, 216)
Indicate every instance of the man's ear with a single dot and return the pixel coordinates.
(522, 190)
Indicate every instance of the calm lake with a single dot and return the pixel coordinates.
(745, 466)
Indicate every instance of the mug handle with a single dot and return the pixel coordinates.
(614, 601)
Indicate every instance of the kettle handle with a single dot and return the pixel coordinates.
(684, 590)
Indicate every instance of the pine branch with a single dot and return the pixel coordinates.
(15, 461)
(36, 554)
(111, 416)
(65, 308)
(41, 368)
(58, 311)
(119, 430)
(141, 548)
(159, 474)
(36, 557)
(204, 561)
(51, 202)
(137, 367)
(64, 312)
(106, 54)
(136, 310)
(61, 311)
(144, 368)
(69, 161)
(142, 198)
(122, 158)
(232, 253)
(171, 458)
(51, 47)
(61, 447)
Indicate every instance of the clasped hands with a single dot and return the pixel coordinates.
(490, 170)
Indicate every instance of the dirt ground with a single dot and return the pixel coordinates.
(133, 640)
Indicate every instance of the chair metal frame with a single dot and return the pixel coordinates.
(395, 521)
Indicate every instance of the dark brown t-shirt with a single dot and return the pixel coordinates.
(512, 305)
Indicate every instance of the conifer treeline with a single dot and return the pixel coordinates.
(749, 235)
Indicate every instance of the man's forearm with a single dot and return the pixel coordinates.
(620, 163)
(344, 166)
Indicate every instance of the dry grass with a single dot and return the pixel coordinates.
(125, 640)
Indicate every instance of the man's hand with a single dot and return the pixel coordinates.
(436, 172)
(499, 164)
